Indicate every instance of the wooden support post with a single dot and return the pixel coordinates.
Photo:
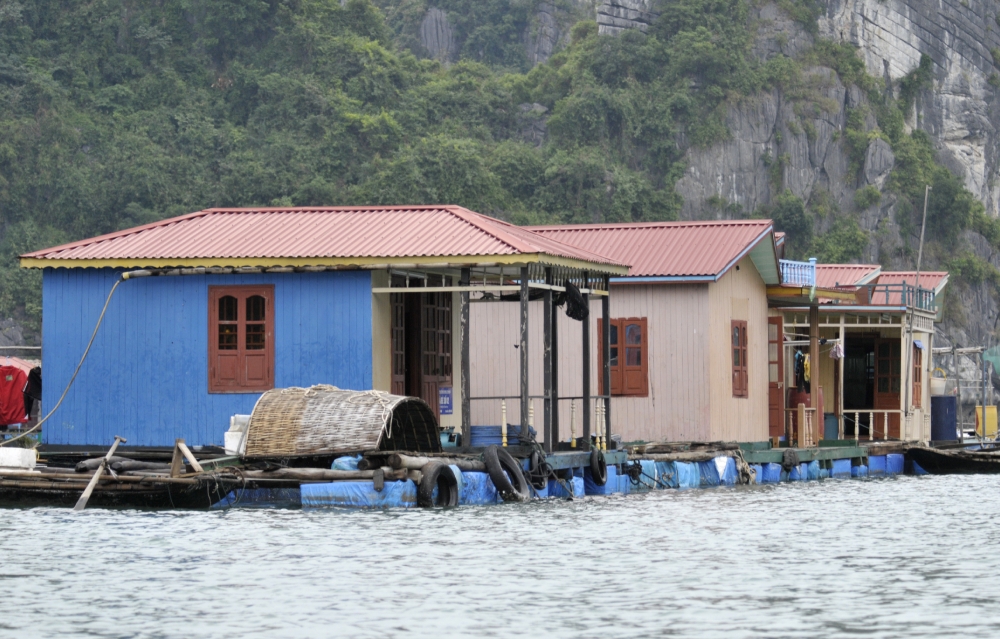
(585, 352)
(814, 378)
(958, 391)
(195, 466)
(606, 358)
(555, 372)
(801, 423)
(547, 363)
(525, 398)
(466, 382)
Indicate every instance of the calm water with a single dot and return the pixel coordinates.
(907, 556)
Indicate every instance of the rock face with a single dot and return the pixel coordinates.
(615, 16)
(437, 35)
(960, 112)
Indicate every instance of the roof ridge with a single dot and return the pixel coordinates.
(466, 216)
(638, 225)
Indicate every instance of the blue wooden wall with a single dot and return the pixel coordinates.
(146, 377)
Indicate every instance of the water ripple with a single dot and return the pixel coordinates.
(908, 556)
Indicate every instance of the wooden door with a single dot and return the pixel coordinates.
(398, 344)
(635, 372)
(775, 376)
(435, 347)
(888, 382)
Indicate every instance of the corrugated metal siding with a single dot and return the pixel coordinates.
(677, 407)
(147, 374)
(736, 418)
(666, 249)
(386, 232)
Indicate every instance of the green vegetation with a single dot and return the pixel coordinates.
(115, 113)
(867, 197)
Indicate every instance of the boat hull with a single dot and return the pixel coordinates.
(962, 462)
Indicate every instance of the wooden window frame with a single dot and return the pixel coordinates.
(626, 380)
(738, 351)
(918, 376)
(240, 383)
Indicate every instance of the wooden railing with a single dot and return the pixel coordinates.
(878, 422)
(800, 426)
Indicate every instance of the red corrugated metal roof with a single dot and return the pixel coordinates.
(320, 232)
(666, 249)
(832, 275)
(930, 280)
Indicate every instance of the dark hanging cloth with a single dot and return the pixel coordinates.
(800, 373)
(576, 307)
(33, 390)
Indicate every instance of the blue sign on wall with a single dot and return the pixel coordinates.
(444, 400)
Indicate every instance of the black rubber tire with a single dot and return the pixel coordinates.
(598, 467)
(499, 460)
(442, 477)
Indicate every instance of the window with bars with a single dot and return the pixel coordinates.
(240, 339)
(629, 356)
(738, 347)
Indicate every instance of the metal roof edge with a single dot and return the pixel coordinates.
(747, 249)
(665, 279)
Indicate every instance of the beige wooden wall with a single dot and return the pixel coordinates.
(677, 408)
(738, 295)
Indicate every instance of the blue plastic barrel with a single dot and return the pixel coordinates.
(831, 426)
(944, 418)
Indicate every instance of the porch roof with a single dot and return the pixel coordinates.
(343, 236)
(831, 275)
(677, 252)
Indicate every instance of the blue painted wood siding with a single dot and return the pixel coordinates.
(146, 377)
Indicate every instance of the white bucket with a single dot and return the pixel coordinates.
(938, 385)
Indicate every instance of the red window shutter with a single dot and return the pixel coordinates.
(240, 339)
(635, 341)
(738, 355)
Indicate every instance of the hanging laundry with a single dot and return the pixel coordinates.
(800, 383)
(806, 373)
(837, 352)
(13, 381)
(33, 390)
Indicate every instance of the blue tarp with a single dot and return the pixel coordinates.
(609, 487)
(624, 484)
(876, 465)
(477, 489)
(360, 494)
(556, 489)
(758, 472)
(770, 474)
(841, 468)
(894, 464)
(799, 473)
(812, 469)
(261, 498)
(859, 471)
(720, 471)
(346, 463)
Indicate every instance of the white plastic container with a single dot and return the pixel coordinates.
(938, 386)
(235, 443)
(23, 458)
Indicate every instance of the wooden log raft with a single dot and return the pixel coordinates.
(320, 474)
(409, 462)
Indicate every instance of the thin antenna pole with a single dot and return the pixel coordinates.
(923, 226)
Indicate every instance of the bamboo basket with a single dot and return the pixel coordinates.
(325, 420)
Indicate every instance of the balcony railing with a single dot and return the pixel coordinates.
(901, 295)
(798, 273)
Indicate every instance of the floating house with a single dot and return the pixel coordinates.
(240, 301)
(876, 386)
(688, 333)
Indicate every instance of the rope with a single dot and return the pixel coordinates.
(78, 366)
